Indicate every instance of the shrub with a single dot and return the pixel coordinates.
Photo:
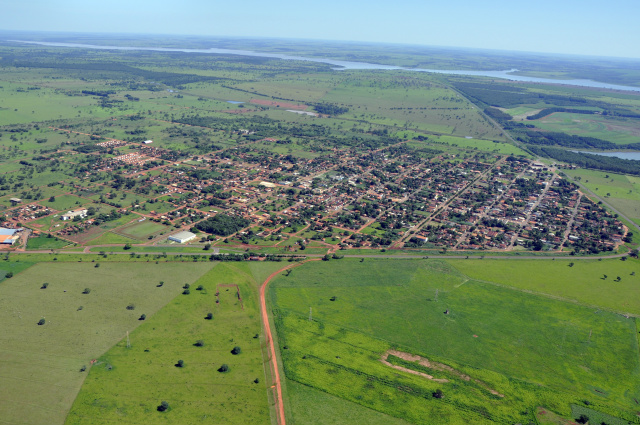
(256, 381)
(80, 308)
(236, 350)
(9, 275)
(127, 246)
(186, 292)
(131, 306)
(199, 343)
(438, 393)
(180, 363)
(161, 283)
(163, 406)
(186, 286)
(199, 288)
(41, 322)
(83, 368)
(44, 285)
(209, 316)
(583, 419)
(86, 291)
(142, 317)
(224, 368)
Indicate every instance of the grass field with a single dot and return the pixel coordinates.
(43, 242)
(535, 350)
(142, 230)
(145, 375)
(617, 130)
(40, 365)
(621, 191)
(582, 283)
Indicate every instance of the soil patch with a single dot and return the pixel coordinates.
(422, 361)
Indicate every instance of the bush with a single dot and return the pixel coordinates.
(160, 284)
(9, 275)
(209, 316)
(44, 285)
(142, 317)
(438, 393)
(131, 306)
(127, 246)
(83, 368)
(41, 322)
(224, 368)
(186, 292)
(583, 419)
(199, 288)
(256, 381)
(86, 291)
(180, 363)
(186, 286)
(163, 406)
(236, 350)
(199, 343)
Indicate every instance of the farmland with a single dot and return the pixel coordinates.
(362, 309)
(42, 363)
(383, 174)
(142, 376)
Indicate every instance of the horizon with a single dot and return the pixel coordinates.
(570, 28)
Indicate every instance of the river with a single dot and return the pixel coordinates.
(348, 65)
(635, 156)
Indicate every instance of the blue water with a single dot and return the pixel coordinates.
(235, 102)
(348, 65)
(622, 155)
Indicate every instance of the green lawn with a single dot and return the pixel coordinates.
(43, 242)
(42, 364)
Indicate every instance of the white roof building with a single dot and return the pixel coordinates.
(182, 237)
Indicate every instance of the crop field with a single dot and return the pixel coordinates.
(43, 242)
(533, 350)
(40, 365)
(143, 376)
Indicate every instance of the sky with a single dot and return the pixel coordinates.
(584, 27)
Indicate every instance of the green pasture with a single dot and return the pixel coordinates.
(42, 363)
(508, 339)
(145, 374)
(619, 190)
(582, 283)
(614, 129)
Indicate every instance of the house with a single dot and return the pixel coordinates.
(182, 237)
(70, 215)
(148, 142)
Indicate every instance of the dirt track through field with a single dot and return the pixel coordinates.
(269, 340)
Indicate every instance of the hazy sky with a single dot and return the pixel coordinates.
(588, 27)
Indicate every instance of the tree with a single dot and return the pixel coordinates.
(142, 317)
(438, 393)
(236, 350)
(186, 286)
(127, 246)
(180, 363)
(44, 285)
(9, 275)
(209, 316)
(224, 368)
(583, 419)
(199, 288)
(163, 406)
(186, 292)
(131, 306)
(86, 291)
(199, 343)
(160, 284)
(52, 199)
(570, 264)
(41, 322)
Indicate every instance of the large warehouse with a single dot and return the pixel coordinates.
(182, 237)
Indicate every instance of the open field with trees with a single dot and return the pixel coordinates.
(360, 310)
(139, 378)
(41, 365)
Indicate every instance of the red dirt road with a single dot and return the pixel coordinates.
(269, 337)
